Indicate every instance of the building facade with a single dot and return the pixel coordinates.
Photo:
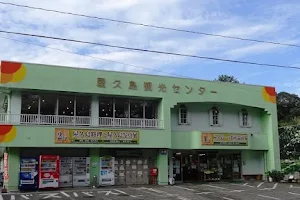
(119, 125)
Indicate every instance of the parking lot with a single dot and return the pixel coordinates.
(212, 191)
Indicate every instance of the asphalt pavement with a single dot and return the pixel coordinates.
(211, 191)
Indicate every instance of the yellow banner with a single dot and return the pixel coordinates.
(75, 136)
(225, 139)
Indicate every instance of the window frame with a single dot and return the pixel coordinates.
(129, 102)
(241, 118)
(219, 119)
(180, 109)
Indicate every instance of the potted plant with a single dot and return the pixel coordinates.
(269, 178)
(274, 175)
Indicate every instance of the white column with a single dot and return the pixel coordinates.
(15, 106)
(95, 110)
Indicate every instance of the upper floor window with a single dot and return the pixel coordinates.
(215, 117)
(4, 105)
(30, 103)
(128, 108)
(55, 104)
(245, 118)
(183, 113)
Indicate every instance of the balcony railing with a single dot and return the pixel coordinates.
(59, 120)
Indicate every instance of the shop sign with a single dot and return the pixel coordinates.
(224, 139)
(150, 87)
(75, 136)
(5, 168)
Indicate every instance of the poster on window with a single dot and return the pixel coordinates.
(224, 139)
(75, 136)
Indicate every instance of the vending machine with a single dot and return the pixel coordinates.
(81, 171)
(66, 172)
(107, 171)
(49, 171)
(28, 174)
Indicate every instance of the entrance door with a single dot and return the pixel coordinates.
(226, 163)
(189, 167)
(177, 167)
(237, 162)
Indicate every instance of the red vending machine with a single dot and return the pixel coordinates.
(49, 171)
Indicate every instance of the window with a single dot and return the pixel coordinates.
(30, 103)
(106, 107)
(183, 114)
(215, 117)
(137, 109)
(48, 104)
(4, 105)
(245, 118)
(83, 105)
(121, 108)
(128, 108)
(150, 110)
(66, 105)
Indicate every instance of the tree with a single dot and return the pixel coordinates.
(288, 108)
(227, 78)
(288, 111)
(289, 141)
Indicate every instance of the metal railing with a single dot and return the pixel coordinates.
(59, 120)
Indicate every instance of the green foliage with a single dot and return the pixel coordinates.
(289, 141)
(227, 78)
(277, 176)
(290, 167)
(288, 108)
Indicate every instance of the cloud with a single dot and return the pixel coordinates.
(293, 85)
(250, 50)
(203, 16)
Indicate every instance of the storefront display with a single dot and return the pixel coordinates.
(107, 171)
(49, 171)
(66, 172)
(206, 166)
(28, 174)
(81, 171)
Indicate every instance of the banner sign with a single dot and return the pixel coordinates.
(74, 136)
(225, 139)
(5, 168)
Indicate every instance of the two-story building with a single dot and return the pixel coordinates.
(189, 129)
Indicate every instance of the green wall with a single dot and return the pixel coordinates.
(80, 80)
(94, 170)
(44, 136)
(55, 78)
(13, 168)
(192, 140)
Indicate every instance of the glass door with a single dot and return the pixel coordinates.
(177, 158)
(226, 164)
(237, 160)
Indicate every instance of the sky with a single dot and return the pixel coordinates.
(271, 20)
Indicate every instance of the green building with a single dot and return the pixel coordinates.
(190, 130)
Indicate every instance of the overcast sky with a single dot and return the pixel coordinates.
(274, 20)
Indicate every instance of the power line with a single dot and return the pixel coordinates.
(236, 86)
(151, 51)
(152, 26)
(98, 58)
